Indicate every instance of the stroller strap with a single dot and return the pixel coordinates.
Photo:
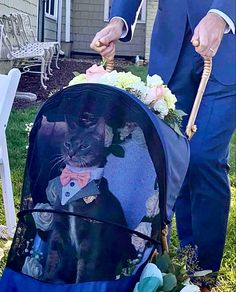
(23, 213)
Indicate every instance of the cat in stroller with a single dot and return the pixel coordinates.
(83, 249)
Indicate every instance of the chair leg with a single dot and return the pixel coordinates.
(57, 56)
(42, 74)
(51, 52)
(7, 189)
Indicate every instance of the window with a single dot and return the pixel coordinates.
(51, 8)
(107, 11)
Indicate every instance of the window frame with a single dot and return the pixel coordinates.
(49, 15)
(143, 11)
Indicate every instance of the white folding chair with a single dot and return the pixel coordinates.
(8, 86)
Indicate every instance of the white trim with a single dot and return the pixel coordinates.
(1, 33)
(49, 15)
(68, 16)
(37, 22)
(143, 11)
(106, 10)
(59, 21)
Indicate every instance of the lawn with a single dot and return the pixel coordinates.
(17, 142)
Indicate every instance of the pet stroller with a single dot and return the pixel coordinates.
(101, 179)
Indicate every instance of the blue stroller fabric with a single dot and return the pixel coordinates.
(101, 179)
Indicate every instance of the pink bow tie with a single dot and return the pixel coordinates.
(82, 178)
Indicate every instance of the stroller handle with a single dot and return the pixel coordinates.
(191, 127)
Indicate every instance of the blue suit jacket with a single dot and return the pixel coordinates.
(169, 29)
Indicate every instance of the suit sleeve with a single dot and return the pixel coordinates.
(129, 11)
(228, 7)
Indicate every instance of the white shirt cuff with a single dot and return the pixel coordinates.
(228, 20)
(125, 29)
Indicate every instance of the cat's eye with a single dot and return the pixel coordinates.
(67, 144)
(84, 147)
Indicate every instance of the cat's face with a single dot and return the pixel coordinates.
(84, 147)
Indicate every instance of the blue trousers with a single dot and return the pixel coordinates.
(202, 207)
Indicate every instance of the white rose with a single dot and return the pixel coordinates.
(161, 107)
(43, 220)
(152, 205)
(108, 136)
(169, 98)
(154, 80)
(109, 78)
(190, 288)
(138, 242)
(141, 87)
(51, 193)
(32, 267)
(127, 130)
(138, 137)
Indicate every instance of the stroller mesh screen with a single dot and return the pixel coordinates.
(90, 171)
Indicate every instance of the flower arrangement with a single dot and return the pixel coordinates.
(154, 93)
(174, 272)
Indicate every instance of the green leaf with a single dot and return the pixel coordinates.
(202, 273)
(149, 284)
(177, 130)
(76, 74)
(117, 150)
(171, 269)
(103, 62)
(163, 262)
(169, 282)
(180, 113)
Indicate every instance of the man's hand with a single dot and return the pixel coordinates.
(108, 37)
(209, 33)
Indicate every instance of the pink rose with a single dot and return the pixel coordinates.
(94, 73)
(155, 93)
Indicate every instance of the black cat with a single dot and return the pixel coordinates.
(82, 250)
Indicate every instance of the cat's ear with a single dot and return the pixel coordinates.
(87, 120)
(72, 124)
(100, 129)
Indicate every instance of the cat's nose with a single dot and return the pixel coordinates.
(71, 153)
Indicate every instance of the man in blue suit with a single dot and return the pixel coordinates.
(202, 206)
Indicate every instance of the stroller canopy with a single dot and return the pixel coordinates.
(101, 179)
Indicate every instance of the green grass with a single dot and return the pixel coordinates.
(18, 139)
(140, 71)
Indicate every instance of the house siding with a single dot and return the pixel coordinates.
(50, 29)
(88, 19)
(63, 21)
(24, 6)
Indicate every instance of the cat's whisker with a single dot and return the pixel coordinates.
(56, 164)
(56, 158)
(84, 160)
(57, 154)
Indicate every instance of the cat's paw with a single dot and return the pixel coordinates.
(89, 199)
